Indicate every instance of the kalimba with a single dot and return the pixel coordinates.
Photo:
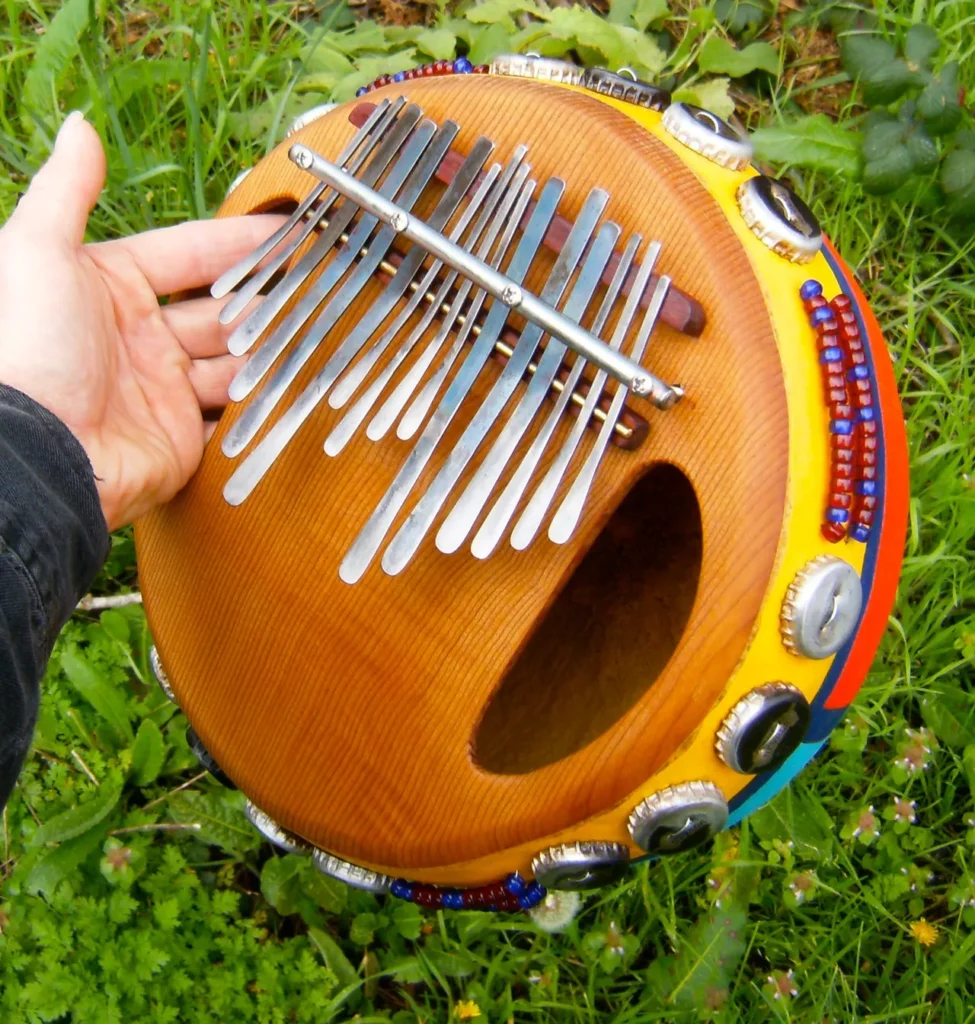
(559, 508)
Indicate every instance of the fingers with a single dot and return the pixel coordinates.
(192, 255)
(211, 378)
(66, 188)
(197, 327)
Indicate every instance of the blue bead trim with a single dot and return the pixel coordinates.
(810, 290)
(841, 426)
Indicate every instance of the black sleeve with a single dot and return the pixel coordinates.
(53, 539)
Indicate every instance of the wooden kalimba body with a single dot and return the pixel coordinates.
(470, 596)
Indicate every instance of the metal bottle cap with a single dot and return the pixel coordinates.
(351, 874)
(780, 218)
(708, 135)
(822, 607)
(273, 832)
(630, 90)
(302, 120)
(206, 759)
(580, 865)
(678, 818)
(160, 673)
(763, 728)
(543, 69)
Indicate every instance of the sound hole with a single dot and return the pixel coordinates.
(606, 637)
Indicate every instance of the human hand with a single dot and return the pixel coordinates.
(83, 334)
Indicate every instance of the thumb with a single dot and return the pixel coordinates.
(66, 188)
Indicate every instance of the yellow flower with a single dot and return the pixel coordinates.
(467, 1010)
(926, 934)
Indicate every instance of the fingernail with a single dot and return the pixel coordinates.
(72, 118)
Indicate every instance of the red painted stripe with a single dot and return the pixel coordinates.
(893, 523)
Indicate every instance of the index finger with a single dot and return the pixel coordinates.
(192, 255)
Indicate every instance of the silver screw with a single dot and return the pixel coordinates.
(399, 221)
(301, 155)
(511, 295)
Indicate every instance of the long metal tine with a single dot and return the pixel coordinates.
(531, 519)
(236, 305)
(469, 505)
(397, 288)
(566, 518)
(487, 537)
(409, 536)
(347, 426)
(229, 279)
(420, 406)
(250, 421)
(371, 536)
(250, 329)
(253, 468)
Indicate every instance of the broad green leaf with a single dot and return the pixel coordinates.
(921, 45)
(814, 141)
(881, 138)
(488, 42)
(328, 893)
(56, 49)
(621, 11)
(280, 882)
(367, 35)
(325, 58)
(743, 18)
(370, 68)
(335, 960)
(718, 56)
(958, 181)
(62, 861)
(712, 95)
(76, 821)
(116, 625)
(792, 816)
(938, 103)
(407, 920)
(874, 62)
(222, 822)
(148, 753)
(439, 43)
(108, 701)
(456, 963)
(647, 12)
(362, 929)
(492, 12)
(923, 150)
(645, 54)
(968, 763)
(950, 714)
(888, 172)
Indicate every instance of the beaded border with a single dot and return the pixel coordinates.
(460, 66)
(512, 893)
(853, 485)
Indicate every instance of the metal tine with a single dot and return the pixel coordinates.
(260, 460)
(357, 373)
(245, 428)
(370, 538)
(470, 504)
(250, 329)
(371, 132)
(531, 519)
(409, 536)
(347, 426)
(421, 404)
(487, 537)
(566, 519)
(329, 278)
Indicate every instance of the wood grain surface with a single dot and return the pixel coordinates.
(437, 716)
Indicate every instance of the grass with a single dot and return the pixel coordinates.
(184, 96)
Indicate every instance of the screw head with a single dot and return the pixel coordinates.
(399, 221)
(511, 295)
(763, 728)
(822, 606)
(575, 866)
(678, 818)
(301, 155)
